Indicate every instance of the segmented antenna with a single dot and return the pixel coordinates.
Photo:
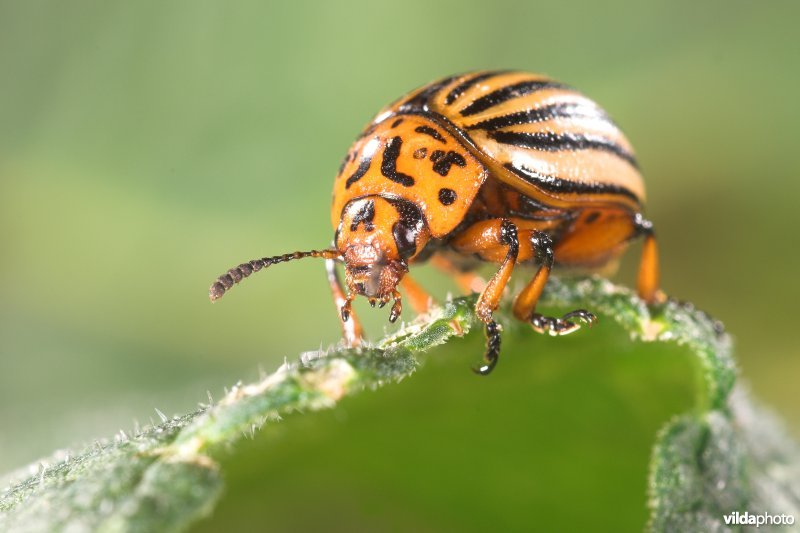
(237, 274)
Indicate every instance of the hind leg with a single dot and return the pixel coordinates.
(647, 283)
(525, 302)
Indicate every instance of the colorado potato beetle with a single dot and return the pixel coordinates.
(499, 166)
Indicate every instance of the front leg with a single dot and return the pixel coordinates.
(351, 326)
(525, 302)
(486, 236)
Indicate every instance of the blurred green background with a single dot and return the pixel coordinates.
(145, 147)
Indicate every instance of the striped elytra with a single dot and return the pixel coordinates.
(501, 166)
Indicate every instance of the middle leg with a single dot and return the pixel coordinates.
(525, 302)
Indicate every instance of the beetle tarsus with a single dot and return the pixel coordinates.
(564, 325)
(346, 310)
(492, 349)
(397, 307)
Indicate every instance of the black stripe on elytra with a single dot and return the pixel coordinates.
(396, 123)
(507, 93)
(541, 114)
(365, 216)
(555, 184)
(419, 102)
(553, 142)
(467, 84)
(389, 165)
(443, 161)
(359, 173)
(427, 130)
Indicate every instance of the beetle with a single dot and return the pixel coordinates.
(507, 167)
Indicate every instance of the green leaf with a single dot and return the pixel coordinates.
(711, 464)
(723, 456)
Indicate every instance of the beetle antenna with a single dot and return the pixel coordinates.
(237, 274)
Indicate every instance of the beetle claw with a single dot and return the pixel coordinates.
(346, 308)
(397, 307)
(564, 325)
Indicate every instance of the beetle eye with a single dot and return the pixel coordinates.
(406, 239)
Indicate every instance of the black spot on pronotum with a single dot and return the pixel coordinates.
(359, 173)
(389, 164)
(447, 196)
(420, 153)
(365, 216)
(397, 122)
(427, 130)
(442, 162)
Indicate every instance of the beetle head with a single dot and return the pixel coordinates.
(376, 238)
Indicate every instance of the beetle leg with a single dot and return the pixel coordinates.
(485, 235)
(419, 298)
(525, 302)
(647, 284)
(468, 281)
(351, 326)
(397, 307)
(561, 326)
